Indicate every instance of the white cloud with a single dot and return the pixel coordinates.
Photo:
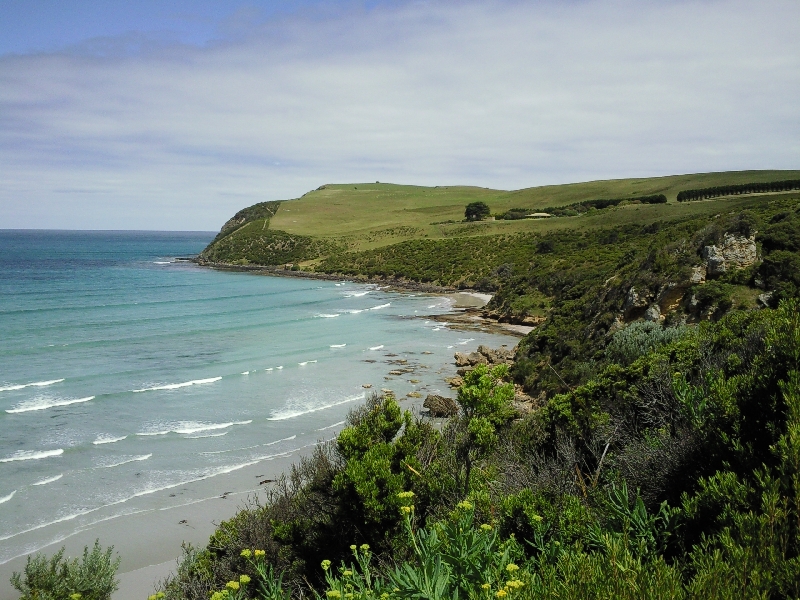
(502, 95)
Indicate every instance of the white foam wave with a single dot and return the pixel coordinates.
(175, 386)
(466, 341)
(22, 386)
(107, 439)
(338, 345)
(126, 461)
(356, 294)
(190, 427)
(7, 498)
(292, 437)
(268, 369)
(32, 455)
(376, 347)
(162, 262)
(327, 316)
(381, 306)
(49, 480)
(292, 413)
(330, 426)
(303, 364)
(197, 437)
(245, 373)
(354, 311)
(279, 367)
(43, 402)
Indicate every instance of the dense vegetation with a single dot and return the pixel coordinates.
(579, 208)
(674, 475)
(743, 188)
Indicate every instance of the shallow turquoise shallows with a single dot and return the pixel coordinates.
(124, 372)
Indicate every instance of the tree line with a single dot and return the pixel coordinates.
(578, 208)
(743, 188)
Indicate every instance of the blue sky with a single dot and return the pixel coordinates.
(175, 114)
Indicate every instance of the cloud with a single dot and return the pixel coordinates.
(498, 94)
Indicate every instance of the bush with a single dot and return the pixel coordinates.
(59, 578)
(640, 338)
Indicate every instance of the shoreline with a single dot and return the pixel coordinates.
(150, 541)
(466, 313)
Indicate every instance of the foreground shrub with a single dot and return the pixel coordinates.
(59, 578)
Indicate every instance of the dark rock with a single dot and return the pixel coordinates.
(439, 406)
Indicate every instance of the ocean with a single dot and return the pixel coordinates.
(133, 382)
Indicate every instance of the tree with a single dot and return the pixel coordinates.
(485, 405)
(476, 211)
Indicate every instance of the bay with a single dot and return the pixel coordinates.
(127, 375)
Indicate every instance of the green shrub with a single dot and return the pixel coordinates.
(93, 577)
(640, 338)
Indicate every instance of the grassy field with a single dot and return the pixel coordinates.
(335, 220)
(378, 214)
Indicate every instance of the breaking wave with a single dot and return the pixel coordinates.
(22, 386)
(297, 412)
(32, 455)
(175, 386)
(43, 402)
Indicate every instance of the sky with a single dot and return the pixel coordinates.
(174, 114)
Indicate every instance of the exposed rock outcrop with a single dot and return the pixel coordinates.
(736, 252)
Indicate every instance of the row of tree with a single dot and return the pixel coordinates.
(742, 188)
(578, 208)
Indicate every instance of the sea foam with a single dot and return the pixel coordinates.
(32, 455)
(125, 461)
(7, 498)
(190, 427)
(175, 386)
(377, 347)
(381, 306)
(338, 345)
(289, 413)
(22, 386)
(44, 402)
(49, 480)
(107, 439)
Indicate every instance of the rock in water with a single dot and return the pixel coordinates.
(439, 406)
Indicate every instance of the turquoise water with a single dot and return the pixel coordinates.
(125, 374)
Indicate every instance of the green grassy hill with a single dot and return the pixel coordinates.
(364, 216)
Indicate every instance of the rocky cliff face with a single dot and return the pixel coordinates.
(735, 252)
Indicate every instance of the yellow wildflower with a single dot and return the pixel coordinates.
(537, 518)
(233, 585)
(259, 552)
(464, 505)
(406, 509)
(244, 579)
(246, 553)
(349, 596)
(352, 546)
(501, 594)
(326, 564)
(511, 567)
(347, 573)
(153, 597)
(217, 596)
(160, 595)
(486, 586)
(334, 594)
(75, 596)
(486, 527)
(408, 494)
(364, 547)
